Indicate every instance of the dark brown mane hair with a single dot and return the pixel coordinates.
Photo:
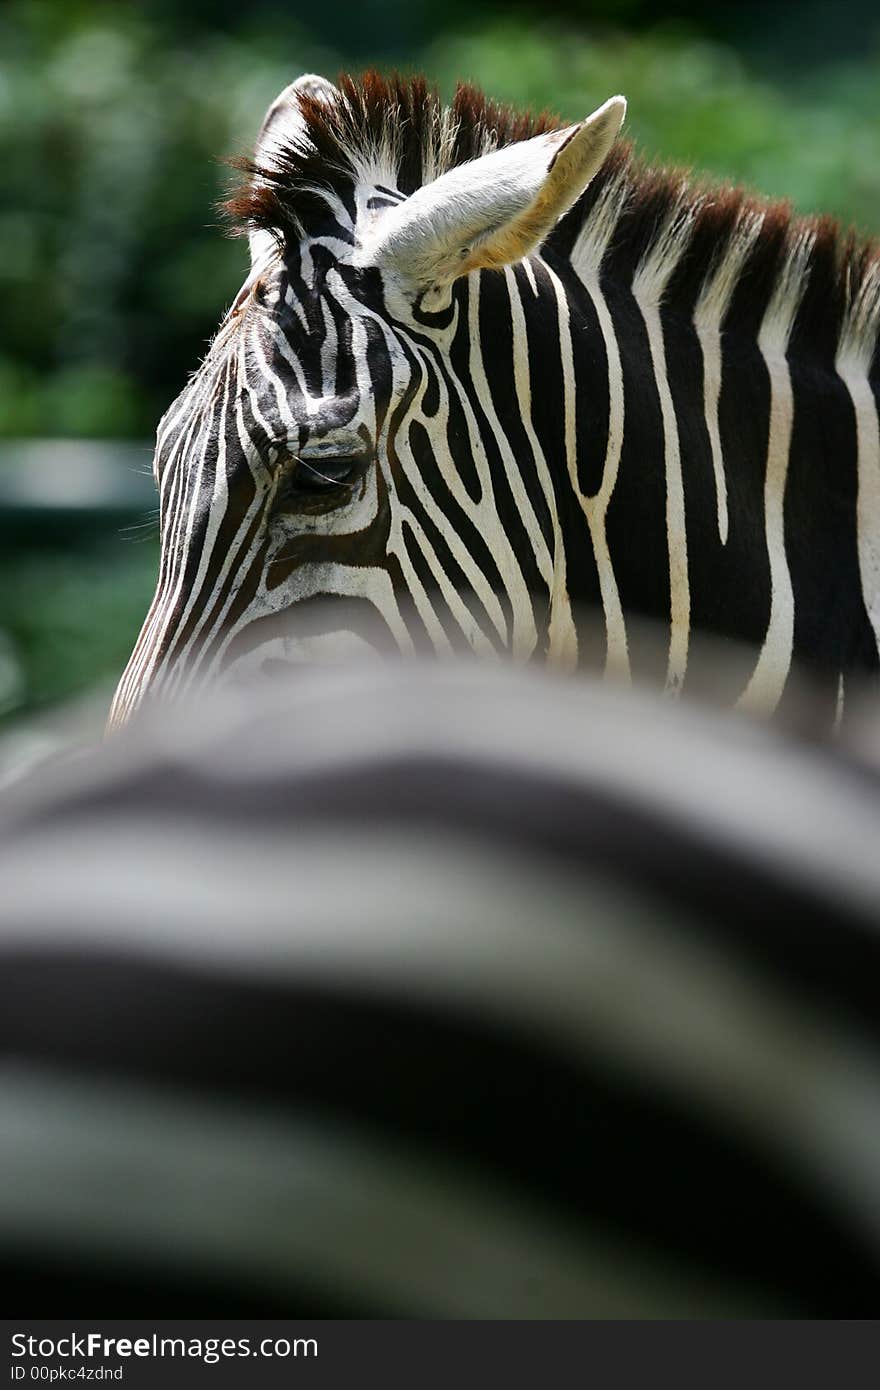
(283, 199)
(286, 200)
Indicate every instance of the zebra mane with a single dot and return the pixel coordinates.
(395, 128)
(722, 240)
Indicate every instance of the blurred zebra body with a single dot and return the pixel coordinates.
(487, 379)
(447, 991)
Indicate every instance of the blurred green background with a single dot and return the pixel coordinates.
(113, 271)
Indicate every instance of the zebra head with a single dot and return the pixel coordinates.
(343, 466)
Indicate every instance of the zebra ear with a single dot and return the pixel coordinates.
(281, 125)
(283, 119)
(494, 210)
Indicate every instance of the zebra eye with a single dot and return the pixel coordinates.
(328, 476)
(317, 475)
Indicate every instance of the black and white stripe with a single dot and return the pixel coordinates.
(442, 992)
(650, 414)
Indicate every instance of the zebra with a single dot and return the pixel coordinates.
(490, 376)
(443, 990)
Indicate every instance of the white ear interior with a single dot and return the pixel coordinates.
(282, 123)
(494, 210)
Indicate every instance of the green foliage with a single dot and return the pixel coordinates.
(69, 617)
(693, 101)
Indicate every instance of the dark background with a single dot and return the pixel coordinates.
(114, 270)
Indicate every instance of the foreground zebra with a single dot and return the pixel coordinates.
(489, 377)
(450, 991)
